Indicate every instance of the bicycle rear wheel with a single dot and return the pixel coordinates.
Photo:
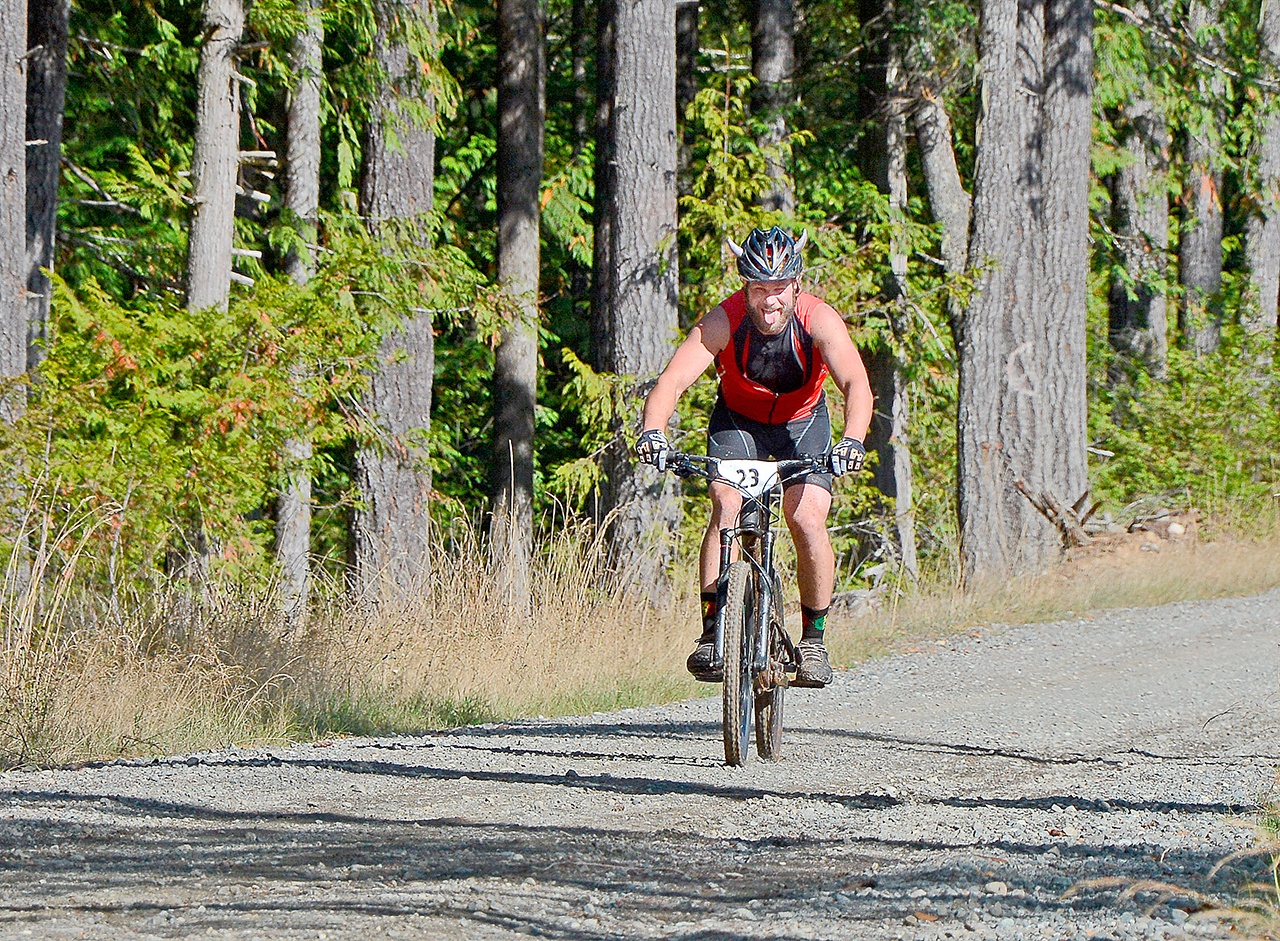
(739, 624)
(769, 703)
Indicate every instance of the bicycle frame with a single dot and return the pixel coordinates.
(752, 650)
(760, 483)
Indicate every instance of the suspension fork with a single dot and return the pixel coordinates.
(764, 570)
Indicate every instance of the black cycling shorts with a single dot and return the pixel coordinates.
(734, 436)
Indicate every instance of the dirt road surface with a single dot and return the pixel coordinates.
(954, 791)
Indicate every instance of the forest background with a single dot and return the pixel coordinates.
(320, 394)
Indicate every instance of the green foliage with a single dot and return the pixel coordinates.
(1210, 430)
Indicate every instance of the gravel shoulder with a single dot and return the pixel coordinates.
(958, 790)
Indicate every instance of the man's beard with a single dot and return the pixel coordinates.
(756, 311)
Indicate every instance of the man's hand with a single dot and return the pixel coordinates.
(847, 456)
(652, 448)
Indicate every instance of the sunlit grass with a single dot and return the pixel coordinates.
(167, 673)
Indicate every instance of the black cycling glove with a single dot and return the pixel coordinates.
(847, 456)
(652, 448)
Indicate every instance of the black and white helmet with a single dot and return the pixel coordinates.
(769, 255)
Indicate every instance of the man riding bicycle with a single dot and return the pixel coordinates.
(773, 346)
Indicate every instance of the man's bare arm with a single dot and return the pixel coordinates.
(850, 375)
(708, 337)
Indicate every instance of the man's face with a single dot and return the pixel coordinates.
(771, 304)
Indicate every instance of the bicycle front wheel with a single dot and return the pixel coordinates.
(739, 630)
(769, 703)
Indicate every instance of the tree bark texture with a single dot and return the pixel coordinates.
(13, 192)
(1022, 339)
(948, 201)
(46, 97)
(302, 204)
(521, 117)
(1200, 252)
(897, 450)
(773, 27)
(1138, 315)
(639, 306)
(215, 159)
(578, 44)
(686, 80)
(686, 55)
(302, 155)
(392, 526)
(603, 275)
(1262, 231)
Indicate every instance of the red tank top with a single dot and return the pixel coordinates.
(755, 399)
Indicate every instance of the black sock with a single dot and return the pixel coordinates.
(709, 608)
(812, 622)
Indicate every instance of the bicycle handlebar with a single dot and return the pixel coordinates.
(701, 465)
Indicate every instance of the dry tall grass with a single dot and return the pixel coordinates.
(84, 676)
(162, 673)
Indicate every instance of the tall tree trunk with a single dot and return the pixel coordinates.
(1200, 252)
(215, 160)
(603, 273)
(392, 526)
(215, 164)
(686, 80)
(46, 96)
(302, 204)
(13, 192)
(638, 289)
(578, 43)
(773, 27)
(1138, 315)
(888, 432)
(521, 72)
(1022, 339)
(897, 450)
(1262, 233)
(948, 201)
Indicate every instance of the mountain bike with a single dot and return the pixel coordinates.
(752, 646)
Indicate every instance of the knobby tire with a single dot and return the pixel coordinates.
(739, 618)
(769, 703)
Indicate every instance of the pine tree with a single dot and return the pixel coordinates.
(392, 525)
(1022, 339)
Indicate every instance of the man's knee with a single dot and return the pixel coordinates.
(807, 511)
(725, 504)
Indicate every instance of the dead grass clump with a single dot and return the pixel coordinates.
(457, 645)
(182, 669)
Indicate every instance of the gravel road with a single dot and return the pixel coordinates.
(954, 791)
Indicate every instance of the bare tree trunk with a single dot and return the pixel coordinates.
(578, 42)
(392, 526)
(13, 192)
(1138, 326)
(302, 203)
(215, 164)
(773, 27)
(950, 204)
(46, 97)
(1022, 339)
(215, 161)
(897, 450)
(638, 289)
(1262, 233)
(603, 272)
(686, 79)
(888, 432)
(1200, 253)
(521, 77)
